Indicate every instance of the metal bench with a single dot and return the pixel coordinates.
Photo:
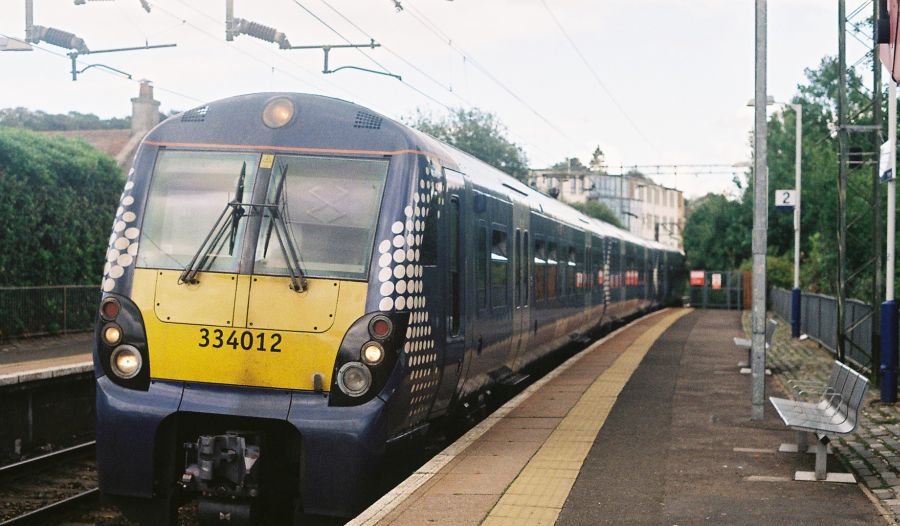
(745, 343)
(836, 412)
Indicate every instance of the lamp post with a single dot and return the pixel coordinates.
(889, 307)
(798, 155)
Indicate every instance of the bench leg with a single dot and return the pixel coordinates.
(821, 459)
(821, 473)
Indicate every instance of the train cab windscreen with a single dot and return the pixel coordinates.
(188, 193)
(330, 206)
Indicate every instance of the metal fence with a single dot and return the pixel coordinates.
(720, 290)
(818, 319)
(38, 311)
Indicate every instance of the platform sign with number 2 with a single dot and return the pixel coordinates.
(785, 198)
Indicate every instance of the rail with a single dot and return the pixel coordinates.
(818, 320)
(41, 311)
(50, 513)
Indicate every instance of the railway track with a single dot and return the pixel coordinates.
(48, 487)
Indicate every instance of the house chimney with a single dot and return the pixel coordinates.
(144, 110)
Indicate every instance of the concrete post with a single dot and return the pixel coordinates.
(798, 155)
(760, 223)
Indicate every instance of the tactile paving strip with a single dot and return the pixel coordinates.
(539, 492)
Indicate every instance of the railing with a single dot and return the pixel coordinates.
(39, 311)
(723, 292)
(818, 319)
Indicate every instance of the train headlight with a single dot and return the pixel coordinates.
(372, 353)
(111, 334)
(126, 362)
(278, 112)
(354, 379)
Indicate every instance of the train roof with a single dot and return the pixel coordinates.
(326, 123)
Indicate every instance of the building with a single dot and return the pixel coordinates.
(644, 208)
(122, 144)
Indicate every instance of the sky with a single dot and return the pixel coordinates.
(648, 81)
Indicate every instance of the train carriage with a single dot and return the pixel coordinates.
(295, 282)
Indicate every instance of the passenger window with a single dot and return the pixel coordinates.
(526, 265)
(540, 270)
(551, 270)
(571, 271)
(499, 268)
(481, 266)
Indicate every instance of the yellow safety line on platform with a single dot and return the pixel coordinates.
(539, 492)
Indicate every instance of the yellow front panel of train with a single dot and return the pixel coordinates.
(274, 305)
(247, 355)
(209, 302)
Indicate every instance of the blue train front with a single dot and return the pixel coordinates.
(294, 282)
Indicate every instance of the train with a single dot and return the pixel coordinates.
(296, 284)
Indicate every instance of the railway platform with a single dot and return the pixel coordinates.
(43, 358)
(648, 426)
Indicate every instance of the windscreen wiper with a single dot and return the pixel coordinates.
(228, 220)
(238, 212)
(283, 233)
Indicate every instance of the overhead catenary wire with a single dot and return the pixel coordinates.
(371, 59)
(113, 74)
(437, 82)
(468, 58)
(235, 48)
(597, 78)
(447, 88)
(285, 58)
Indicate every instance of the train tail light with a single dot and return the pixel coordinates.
(380, 327)
(109, 309)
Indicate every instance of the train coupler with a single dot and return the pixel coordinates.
(224, 470)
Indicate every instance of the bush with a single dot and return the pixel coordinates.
(57, 200)
(779, 270)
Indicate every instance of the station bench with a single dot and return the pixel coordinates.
(745, 343)
(836, 412)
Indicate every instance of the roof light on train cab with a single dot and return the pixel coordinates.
(126, 362)
(372, 353)
(278, 112)
(109, 309)
(354, 379)
(111, 334)
(380, 327)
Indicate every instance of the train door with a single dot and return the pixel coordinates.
(522, 269)
(454, 258)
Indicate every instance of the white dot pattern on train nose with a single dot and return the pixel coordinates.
(123, 245)
(401, 288)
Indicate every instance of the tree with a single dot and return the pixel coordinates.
(718, 231)
(597, 210)
(57, 200)
(41, 121)
(477, 133)
(571, 164)
(715, 235)
(598, 160)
